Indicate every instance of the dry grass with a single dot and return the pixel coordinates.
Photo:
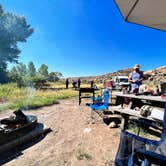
(81, 154)
(13, 97)
(62, 85)
(25, 98)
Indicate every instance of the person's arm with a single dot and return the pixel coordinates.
(130, 78)
(140, 79)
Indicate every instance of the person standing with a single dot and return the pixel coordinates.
(67, 83)
(135, 78)
(79, 83)
(74, 83)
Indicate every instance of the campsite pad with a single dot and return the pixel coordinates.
(74, 140)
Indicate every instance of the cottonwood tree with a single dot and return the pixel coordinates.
(13, 29)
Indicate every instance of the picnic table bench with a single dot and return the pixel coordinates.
(128, 111)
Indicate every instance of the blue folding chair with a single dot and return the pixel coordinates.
(100, 104)
(143, 157)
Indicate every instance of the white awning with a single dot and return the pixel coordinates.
(151, 13)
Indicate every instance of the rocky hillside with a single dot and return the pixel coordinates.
(108, 76)
(157, 74)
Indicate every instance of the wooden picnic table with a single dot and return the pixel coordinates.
(140, 97)
(128, 111)
(86, 91)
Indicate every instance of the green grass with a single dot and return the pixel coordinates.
(12, 97)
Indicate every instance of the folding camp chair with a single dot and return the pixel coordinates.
(99, 106)
(146, 158)
(135, 150)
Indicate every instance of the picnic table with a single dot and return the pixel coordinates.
(140, 97)
(147, 132)
(86, 91)
(128, 111)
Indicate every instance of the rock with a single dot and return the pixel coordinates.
(112, 125)
(87, 130)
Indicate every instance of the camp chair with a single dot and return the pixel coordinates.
(135, 150)
(98, 105)
(146, 158)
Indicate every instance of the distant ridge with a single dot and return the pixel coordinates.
(107, 76)
(158, 74)
(156, 69)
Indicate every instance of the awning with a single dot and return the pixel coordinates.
(151, 13)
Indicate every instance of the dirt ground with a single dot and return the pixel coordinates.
(74, 141)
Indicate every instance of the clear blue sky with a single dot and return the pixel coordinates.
(85, 37)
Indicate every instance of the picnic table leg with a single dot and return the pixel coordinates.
(124, 123)
(111, 96)
(93, 96)
(79, 97)
(119, 100)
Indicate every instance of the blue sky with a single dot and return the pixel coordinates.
(85, 37)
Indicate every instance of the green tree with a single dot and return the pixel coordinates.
(55, 76)
(43, 70)
(59, 74)
(14, 76)
(31, 69)
(3, 75)
(21, 69)
(13, 29)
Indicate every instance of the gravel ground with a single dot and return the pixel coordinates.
(76, 139)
